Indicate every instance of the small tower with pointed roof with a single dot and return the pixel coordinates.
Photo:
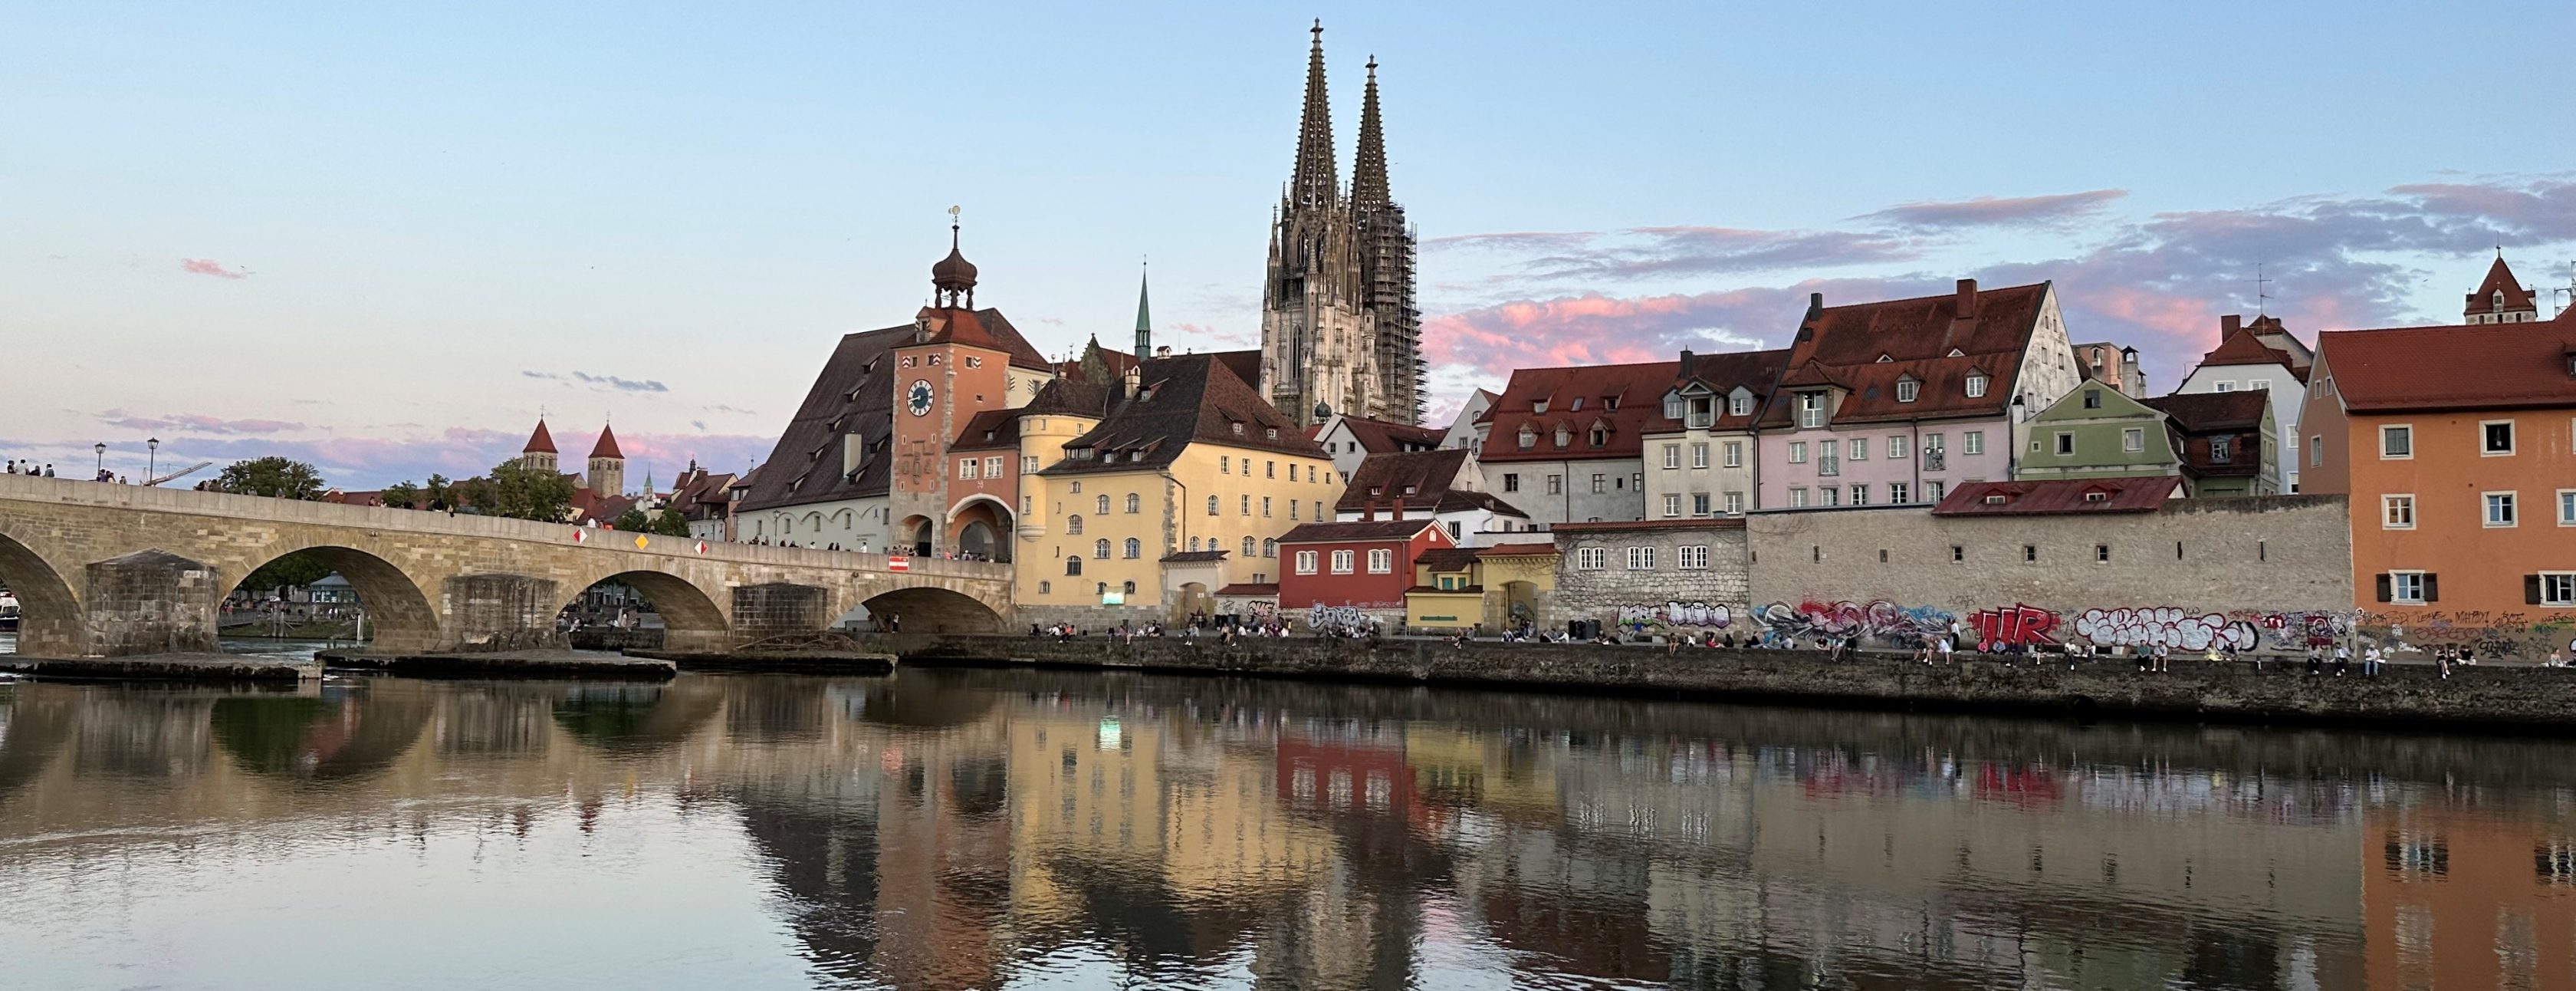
(540, 450)
(2501, 299)
(1144, 322)
(607, 465)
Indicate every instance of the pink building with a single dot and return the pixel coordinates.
(1897, 402)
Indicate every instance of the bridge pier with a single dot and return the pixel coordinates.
(490, 613)
(146, 602)
(777, 608)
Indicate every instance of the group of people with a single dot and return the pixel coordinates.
(17, 467)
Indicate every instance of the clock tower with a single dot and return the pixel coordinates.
(956, 364)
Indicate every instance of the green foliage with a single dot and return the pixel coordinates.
(405, 495)
(670, 524)
(517, 491)
(274, 477)
(632, 521)
(437, 493)
(299, 568)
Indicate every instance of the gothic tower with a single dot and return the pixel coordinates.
(1386, 268)
(607, 465)
(1318, 339)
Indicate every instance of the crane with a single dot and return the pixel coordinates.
(182, 473)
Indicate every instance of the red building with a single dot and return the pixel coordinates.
(1364, 565)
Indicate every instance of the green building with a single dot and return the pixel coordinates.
(2219, 443)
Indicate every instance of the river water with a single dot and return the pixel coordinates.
(1025, 829)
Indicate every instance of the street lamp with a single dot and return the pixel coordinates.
(152, 461)
(101, 448)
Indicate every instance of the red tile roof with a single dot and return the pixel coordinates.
(1417, 478)
(607, 446)
(1516, 550)
(2060, 495)
(1384, 436)
(986, 329)
(1758, 372)
(2198, 412)
(2500, 278)
(1182, 400)
(1446, 558)
(540, 442)
(1636, 390)
(1334, 533)
(990, 429)
(1842, 346)
(1711, 523)
(2483, 366)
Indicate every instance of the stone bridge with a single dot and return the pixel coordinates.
(105, 570)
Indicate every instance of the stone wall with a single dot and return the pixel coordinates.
(2411, 695)
(152, 602)
(1666, 598)
(2268, 573)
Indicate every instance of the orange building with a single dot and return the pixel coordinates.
(2460, 897)
(2457, 447)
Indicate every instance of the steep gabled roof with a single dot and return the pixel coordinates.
(1383, 436)
(2201, 412)
(607, 446)
(2479, 366)
(1637, 389)
(853, 394)
(1181, 400)
(540, 442)
(2060, 495)
(990, 429)
(1757, 372)
(1417, 478)
(1926, 339)
(1334, 533)
(2500, 279)
(2243, 348)
(985, 328)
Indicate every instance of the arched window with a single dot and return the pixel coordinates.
(1100, 548)
(1135, 548)
(1269, 547)
(1194, 544)
(1134, 501)
(1073, 566)
(1104, 504)
(1247, 547)
(1130, 588)
(1212, 505)
(1073, 524)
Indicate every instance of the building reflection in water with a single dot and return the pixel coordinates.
(971, 830)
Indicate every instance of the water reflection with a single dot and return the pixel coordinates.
(1003, 829)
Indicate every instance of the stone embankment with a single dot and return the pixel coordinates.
(218, 668)
(512, 664)
(788, 662)
(2409, 695)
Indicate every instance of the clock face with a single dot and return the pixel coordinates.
(918, 398)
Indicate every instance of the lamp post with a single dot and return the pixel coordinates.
(101, 448)
(151, 461)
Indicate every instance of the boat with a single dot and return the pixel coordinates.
(8, 611)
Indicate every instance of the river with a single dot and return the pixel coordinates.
(1020, 829)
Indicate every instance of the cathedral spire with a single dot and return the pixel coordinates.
(1144, 322)
(1368, 176)
(1317, 180)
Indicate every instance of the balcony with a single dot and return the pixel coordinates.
(1934, 461)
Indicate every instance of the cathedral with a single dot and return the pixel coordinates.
(1339, 332)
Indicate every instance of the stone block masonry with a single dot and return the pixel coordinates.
(1678, 577)
(2512, 698)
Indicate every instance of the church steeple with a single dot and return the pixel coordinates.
(1368, 175)
(1144, 322)
(1317, 179)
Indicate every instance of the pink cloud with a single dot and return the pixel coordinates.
(196, 422)
(1592, 328)
(1998, 211)
(209, 266)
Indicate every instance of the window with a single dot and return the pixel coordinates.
(1699, 455)
(2102, 553)
(1511, 483)
(966, 468)
(2567, 507)
(1045, 587)
(2092, 399)
(1897, 449)
(1247, 506)
(1100, 549)
(1672, 456)
(2495, 437)
(1672, 504)
(1797, 452)
(1134, 502)
(1907, 389)
(1600, 437)
(1305, 562)
(2499, 509)
(1692, 558)
(1931, 492)
(1528, 437)
(2397, 512)
(1564, 436)
(1251, 548)
(2226, 386)
(1897, 493)
(1588, 558)
(1739, 405)
(1270, 469)
(1265, 505)
(2133, 439)
(2065, 443)
(1212, 510)
(2222, 449)
(1958, 553)
(1292, 509)
(1102, 506)
(1073, 566)
(2407, 587)
(1073, 525)
(1797, 497)
(1135, 548)
(2397, 441)
(1130, 587)
(1225, 464)
(1832, 495)
(1976, 384)
(1735, 503)
(1811, 409)
(1859, 448)
(1699, 503)
(2030, 553)
(2554, 588)
(1381, 561)
(1973, 443)
(1600, 483)
(1735, 454)
(1860, 495)
(2316, 450)
(1029, 463)
(993, 466)
(1342, 562)
(1555, 484)
(1194, 545)
(1641, 559)
(1269, 547)
(1077, 488)
(1672, 406)
(2261, 384)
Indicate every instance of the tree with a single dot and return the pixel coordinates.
(439, 492)
(670, 524)
(633, 521)
(293, 570)
(517, 491)
(403, 494)
(275, 477)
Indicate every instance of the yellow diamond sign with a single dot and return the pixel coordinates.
(639, 542)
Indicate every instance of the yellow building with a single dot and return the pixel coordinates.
(1151, 494)
(1500, 587)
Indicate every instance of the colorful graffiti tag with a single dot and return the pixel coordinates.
(1324, 617)
(2164, 627)
(1675, 614)
(1883, 623)
(2015, 625)
(2022, 625)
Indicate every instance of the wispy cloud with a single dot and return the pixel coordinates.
(605, 383)
(197, 422)
(209, 266)
(2056, 210)
(1665, 252)
(722, 408)
(1216, 335)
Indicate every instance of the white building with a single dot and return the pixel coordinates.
(2260, 355)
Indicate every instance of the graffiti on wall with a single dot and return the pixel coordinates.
(2016, 625)
(1881, 622)
(2165, 627)
(1885, 624)
(1675, 614)
(1324, 617)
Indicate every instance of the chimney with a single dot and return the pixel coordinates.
(1395, 508)
(1967, 299)
(1130, 384)
(1815, 306)
(1368, 511)
(1686, 364)
(1164, 351)
(2230, 324)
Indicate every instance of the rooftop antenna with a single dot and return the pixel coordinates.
(2259, 295)
(2569, 291)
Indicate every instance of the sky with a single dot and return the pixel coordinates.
(385, 238)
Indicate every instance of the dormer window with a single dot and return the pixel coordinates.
(1600, 437)
(1811, 409)
(1238, 428)
(1907, 389)
(1564, 436)
(1538, 405)
(1976, 384)
(1997, 499)
(1609, 402)
(1703, 411)
(2097, 495)
(1672, 405)
(1409, 489)
(1884, 359)
(1529, 437)
(1740, 404)
(1270, 433)
(1578, 404)
(1376, 491)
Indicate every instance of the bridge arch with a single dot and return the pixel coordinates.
(980, 527)
(931, 609)
(49, 617)
(691, 619)
(399, 613)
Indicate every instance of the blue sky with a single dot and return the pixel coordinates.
(383, 237)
